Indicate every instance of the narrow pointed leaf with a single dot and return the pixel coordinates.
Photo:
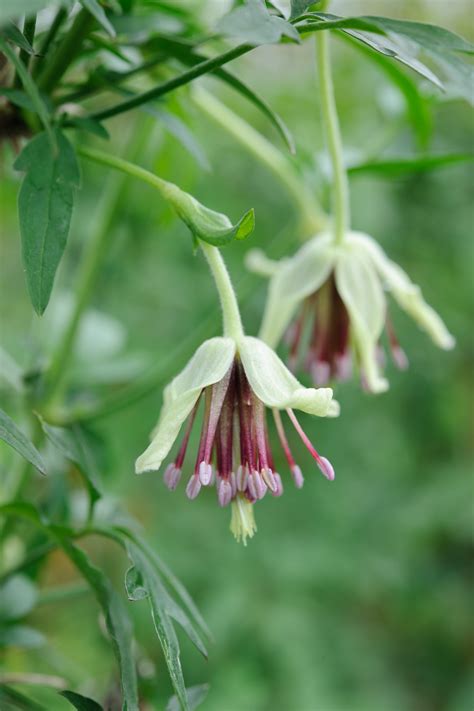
(45, 207)
(396, 167)
(98, 12)
(81, 703)
(14, 34)
(15, 438)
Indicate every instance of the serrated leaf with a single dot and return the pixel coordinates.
(15, 438)
(45, 206)
(396, 167)
(196, 695)
(72, 445)
(98, 12)
(254, 24)
(117, 620)
(14, 34)
(81, 703)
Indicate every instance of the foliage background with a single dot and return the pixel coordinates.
(353, 594)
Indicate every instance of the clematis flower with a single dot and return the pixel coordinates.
(337, 291)
(237, 379)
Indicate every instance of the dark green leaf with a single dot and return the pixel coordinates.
(298, 7)
(18, 596)
(116, 616)
(14, 437)
(18, 97)
(45, 207)
(89, 125)
(12, 33)
(98, 12)
(254, 24)
(395, 167)
(196, 695)
(81, 703)
(73, 445)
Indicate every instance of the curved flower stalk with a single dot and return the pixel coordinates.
(236, 377)
(337, 292)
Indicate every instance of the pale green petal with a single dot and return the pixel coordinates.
(297, 278)
(407, 294)
(275, 385)
(257, 261)
(208, 365)
(361, 291)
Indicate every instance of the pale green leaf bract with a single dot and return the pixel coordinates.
(45, 206)
(15, 438)
(98, 12)
(81, 703)
(196, 695)
(254, 24)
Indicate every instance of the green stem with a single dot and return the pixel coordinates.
(66, 51)
(202, 68)
(48, 39)
(230, 308)
(333, 136)
(312, 215)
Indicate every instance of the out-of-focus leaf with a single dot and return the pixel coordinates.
(403, 40)
(72, 445)
(89, 125)
(181, 132)
(395, 167)
(18, 596)
(12, 33)
(81, 703)
(254, 24)
(186, 53)
(45, 207)
(98, 12)
(116, 617)
(18, 97)
(14, 437)
(196, 695)
(418, 107)
(10, 700)
(10, 372)
(21, 636)
(16, 8)
(298, 7)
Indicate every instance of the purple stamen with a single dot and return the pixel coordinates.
(194, 487)
(324, 465)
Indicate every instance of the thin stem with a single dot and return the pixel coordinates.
(202, 68)
(230, 308)
(333, 136)
(312, 214)
(66, 51)
(29, 30)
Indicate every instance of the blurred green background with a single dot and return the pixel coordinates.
(353, 595)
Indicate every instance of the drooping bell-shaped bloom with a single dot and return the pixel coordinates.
(330, 301)
(236, 381)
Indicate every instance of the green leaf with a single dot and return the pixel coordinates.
(15, 438)
(89, 125)
(116, 617)
(21, 636)
(11, 374)
(185, 52)
(395, 167)
(18, 97)
(72, 445)
(144, 580)
(298, 7)
(196, 695)
(254, 24)
(403, 40)
(45, 207)
(12, 33)
(81, 703)
(98, 12)
(11, 699)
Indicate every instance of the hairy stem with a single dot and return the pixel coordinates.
(341, 204)
(230, 308)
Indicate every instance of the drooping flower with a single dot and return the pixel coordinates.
(336, 292)
(236, 380)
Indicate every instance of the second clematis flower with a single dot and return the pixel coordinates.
(331, 296)
(238, 378)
